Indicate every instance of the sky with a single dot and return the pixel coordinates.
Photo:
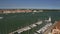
(34, 4)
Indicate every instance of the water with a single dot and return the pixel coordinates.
(11, 22)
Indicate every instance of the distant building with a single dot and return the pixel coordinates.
(14, 11)
(26, 10)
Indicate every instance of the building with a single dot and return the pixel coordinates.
(56, 28)
(25, 10)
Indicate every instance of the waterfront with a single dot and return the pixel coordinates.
(11, 22)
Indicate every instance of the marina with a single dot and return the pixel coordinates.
(32, 22)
